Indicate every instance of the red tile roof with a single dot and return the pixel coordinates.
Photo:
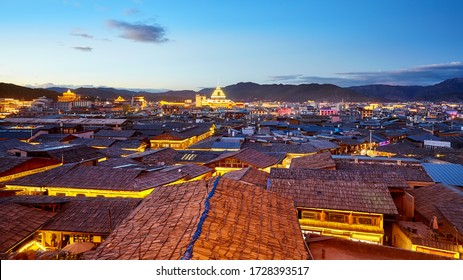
(241, 222)
(249, 175)
(429, 199)
(18, 222)
(107, 178)
(314, 161)
(249, 156)
(336, 194)
(409, 172)
(92, 215)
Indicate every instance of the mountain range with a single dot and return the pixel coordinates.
(448, 90)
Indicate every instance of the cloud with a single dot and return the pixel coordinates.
(139, 32)
(81, 34)
(417, 75)
(285, 77)
(131, 12)
(83, 49)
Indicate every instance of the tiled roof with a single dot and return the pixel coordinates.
(249, 156)
(243, 222)
(323, 144)
(96, 177)
(161, 157)
(205, 144)
(106, 133)
(122, 163)
(114, 152)
(94, 142)
(282, 148)
(337, 248)
(420, 234)
(42, 179)
(314, 161)
(47, 138)
(453, 212)
(183, 130)
(385, 179)
(69, 153)
(18, 222)
(147, 152)
(216, 143)
(341, 194)
(129, 144)
(187, 156)
(7, 163)
(92, 215)
(249, 175)
(428, 198)
(170, 175)
(409, 172)
(82, 177)
(35, 200)
(11, 144)
(107, 178)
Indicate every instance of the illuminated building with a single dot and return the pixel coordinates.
(117, 124)
(328, 111)
(416, 236)
(99, 181)
(241, 159)
(218, 100)
(181, 135)
(334, 203)
(13, 168)
(82, 219)
(18, 226)
(119, 99)
(68, 96)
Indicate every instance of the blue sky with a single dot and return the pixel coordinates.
(174, 44)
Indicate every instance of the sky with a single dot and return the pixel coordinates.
(176, 44)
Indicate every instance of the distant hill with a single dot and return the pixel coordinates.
(290, 93)
(24, 93)
(241, 91)
(448, 90)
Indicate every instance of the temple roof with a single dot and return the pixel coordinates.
(218, 93)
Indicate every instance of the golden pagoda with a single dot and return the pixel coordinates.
(218, 100)
(119, 99)
(68, 96)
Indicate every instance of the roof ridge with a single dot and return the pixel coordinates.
(189, 251)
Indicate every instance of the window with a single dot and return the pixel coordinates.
(365, 220)
(309, 215)
(334, 217)
(80, 194)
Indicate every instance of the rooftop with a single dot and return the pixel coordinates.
(19, 222)
(332, 248)
(211, 219)
(249, 175)
(250, 156)
(314, 161)
(450, 174)
(340, 194)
